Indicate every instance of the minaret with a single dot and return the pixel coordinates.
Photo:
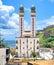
(21, 20)
(33, 14)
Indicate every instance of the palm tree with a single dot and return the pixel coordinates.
(34, 54)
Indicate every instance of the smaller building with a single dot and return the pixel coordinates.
(4, 55)
(46, 53)
(53, 53)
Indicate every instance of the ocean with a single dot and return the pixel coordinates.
(10, 43)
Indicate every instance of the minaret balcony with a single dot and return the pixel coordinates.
(33, 14)
(21, 14)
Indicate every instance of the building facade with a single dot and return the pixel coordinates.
(4, 55)
(27, 42)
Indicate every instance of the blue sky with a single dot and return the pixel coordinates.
(9, 18)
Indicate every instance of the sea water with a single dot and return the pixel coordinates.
(10, 43)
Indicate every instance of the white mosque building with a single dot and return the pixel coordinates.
(27, 42)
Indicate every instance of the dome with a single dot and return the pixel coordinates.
(21, 8)
(33, 8)
(27, 30)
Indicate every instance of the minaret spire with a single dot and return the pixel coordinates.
(21, 19)
(33, 14)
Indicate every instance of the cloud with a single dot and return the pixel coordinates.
(9, 24)
(5, 10)
(14, 21)
(9, 31)
(43, 23)
(5, 17)
(9, 34)
(1, 3)
(6, 31)
(12, 24)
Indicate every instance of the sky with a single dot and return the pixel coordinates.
(9, 16)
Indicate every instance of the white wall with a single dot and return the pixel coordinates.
(2, 56)
(30, 45)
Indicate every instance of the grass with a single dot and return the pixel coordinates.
(50, 29)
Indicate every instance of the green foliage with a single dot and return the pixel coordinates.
(2, 43)
(37, 34)
(48, 32)
(34, 54)
(41, 40)
(16, 54)
(50, 39)
(47, 45)
(51, 28)
(46, 38)
(13, 52)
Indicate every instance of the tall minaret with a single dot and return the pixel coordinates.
(21, 20)
(33, 14)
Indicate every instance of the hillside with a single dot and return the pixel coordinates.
(48, 32)
(46, 38)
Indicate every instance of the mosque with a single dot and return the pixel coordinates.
(26, 42)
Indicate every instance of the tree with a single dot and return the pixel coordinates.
(34, 54)
(13, 52)
(16, 54)
(47, 45)
(2, 44)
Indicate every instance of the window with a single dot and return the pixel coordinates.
(20, 41)
(37, 41)
(16, 47)
(34, 41)
(23, 42)
(30, 42)
(27, 40)
(30, 47)
(37, 47)
(23, 48)
(16, 41)
(27, 46)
